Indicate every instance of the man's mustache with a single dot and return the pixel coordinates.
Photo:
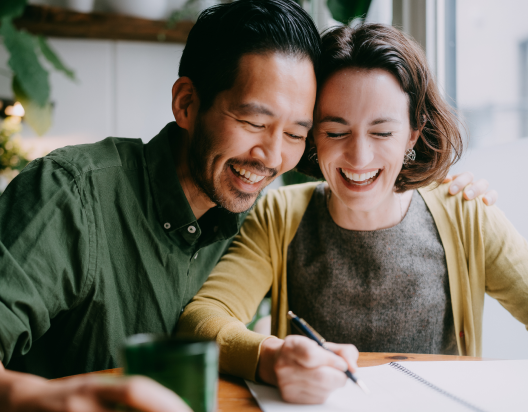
(254, 166)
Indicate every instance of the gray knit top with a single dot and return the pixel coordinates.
(384, 290)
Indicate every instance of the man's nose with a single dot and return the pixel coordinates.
(269, 150)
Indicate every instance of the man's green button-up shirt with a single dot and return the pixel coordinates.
(98, 242)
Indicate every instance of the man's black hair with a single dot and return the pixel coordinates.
(225, 32)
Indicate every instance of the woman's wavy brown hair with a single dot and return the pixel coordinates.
(378, 46)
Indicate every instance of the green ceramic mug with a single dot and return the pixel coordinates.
(188, 367)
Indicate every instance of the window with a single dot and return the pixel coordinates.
(524, 87)
(492, 69)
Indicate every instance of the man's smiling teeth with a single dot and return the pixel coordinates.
(247, 176)
(359, 177)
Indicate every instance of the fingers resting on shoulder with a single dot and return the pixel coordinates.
(464, 181)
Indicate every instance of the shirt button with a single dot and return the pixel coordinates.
(166, 225)
(191, 229)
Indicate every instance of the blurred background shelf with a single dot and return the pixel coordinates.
(58, 22)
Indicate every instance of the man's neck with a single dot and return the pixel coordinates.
(198, 200)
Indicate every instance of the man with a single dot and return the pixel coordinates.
(98, 242)
(102, 241)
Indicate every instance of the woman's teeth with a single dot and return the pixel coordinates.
(247, 176)
(362, 178)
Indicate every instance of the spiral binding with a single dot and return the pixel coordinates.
(413, 375)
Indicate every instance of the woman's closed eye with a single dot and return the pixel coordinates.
(384, 134)
(335, 135)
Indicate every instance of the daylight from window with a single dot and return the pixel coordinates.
(492, 69)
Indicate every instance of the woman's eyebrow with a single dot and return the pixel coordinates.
(384, 120)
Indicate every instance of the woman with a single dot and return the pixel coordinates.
(379, 256)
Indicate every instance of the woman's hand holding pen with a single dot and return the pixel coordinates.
(302, 370)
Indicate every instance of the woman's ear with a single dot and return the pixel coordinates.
(185, 102)
(415, 134)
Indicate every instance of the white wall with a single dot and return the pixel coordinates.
(123, 89)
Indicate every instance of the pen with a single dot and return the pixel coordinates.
(310, 332)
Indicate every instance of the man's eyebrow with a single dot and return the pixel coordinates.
(305, 123)
(334, 119)
(384, 120)
(254, 108)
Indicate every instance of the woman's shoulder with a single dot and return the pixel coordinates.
(283, 207)
(289, 197)
(455, 211)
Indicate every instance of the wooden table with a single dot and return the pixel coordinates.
(234, 396)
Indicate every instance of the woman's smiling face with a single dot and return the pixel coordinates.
(362, 131)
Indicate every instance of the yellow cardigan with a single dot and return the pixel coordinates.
(484, 253)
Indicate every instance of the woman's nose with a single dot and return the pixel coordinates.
(359, 153)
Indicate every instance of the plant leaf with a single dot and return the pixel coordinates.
(37, 116)
(24, 62)
(53, 58)
(12, 8)
(293, 177)
(345, 11)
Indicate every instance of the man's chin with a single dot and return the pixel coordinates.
(231, 196)
(238, 203)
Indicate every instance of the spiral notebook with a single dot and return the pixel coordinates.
(491, 386)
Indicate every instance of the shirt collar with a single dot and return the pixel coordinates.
(174, 211)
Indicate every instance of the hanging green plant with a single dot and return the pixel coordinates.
(345, 11)
(30, 79)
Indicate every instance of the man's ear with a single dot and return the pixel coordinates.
(185, 102)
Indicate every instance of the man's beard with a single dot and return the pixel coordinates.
(202, 152)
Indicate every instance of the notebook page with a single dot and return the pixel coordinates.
(390, 391)
(490, 385)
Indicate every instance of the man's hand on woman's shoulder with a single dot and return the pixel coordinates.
(303, 371)
(472, 190)
(20, 392)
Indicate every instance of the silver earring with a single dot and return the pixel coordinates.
(312, 157)
(409, 156)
